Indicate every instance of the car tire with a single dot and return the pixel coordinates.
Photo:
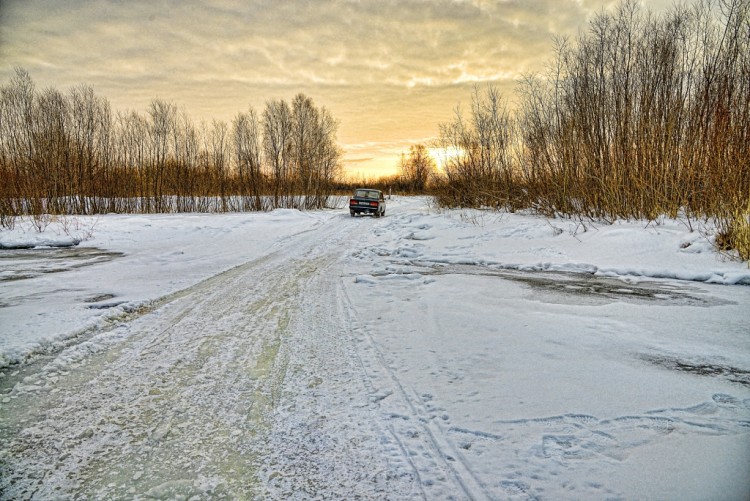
(352, 213)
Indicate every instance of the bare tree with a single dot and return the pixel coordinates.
(18, 136)
(327, 156)
(478, 152)
(417, 168)
(64, 152)
(218, 151)
(315, 155)
(163, 115)
(248, 156)
(50, 176)
(90, 145)
(186, 147)
(131, 153)
(277, 132)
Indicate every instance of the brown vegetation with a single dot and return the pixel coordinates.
(69, 154)
(416, 169)
(642, 116)
(415, 173)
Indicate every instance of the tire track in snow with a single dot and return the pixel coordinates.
(186, 391)
(172, 402)
(440, 469)
(423, 441)
(221, 390)
(328, 441)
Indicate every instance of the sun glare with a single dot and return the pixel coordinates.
(444, 155)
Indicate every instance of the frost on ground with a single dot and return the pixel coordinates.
(424, 355)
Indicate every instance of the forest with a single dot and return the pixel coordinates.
(69, 153)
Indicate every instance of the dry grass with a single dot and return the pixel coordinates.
(734, 232)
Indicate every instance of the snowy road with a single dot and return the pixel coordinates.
(191, 395)
(391, 359)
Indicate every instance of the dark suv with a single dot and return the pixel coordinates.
(367, 201)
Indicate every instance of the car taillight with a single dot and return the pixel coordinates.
(374, 204)
(352, 202)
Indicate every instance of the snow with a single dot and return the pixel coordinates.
(429, 354)
(127, 262)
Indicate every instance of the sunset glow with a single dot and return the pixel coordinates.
(444, 155)
(389, 71)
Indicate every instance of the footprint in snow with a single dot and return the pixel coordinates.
(723, 398)
(514, 486)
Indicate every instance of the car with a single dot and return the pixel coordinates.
(367, 201)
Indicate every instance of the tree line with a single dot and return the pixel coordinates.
(69, 153)
(640, 116)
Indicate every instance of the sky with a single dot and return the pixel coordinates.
(389, 71)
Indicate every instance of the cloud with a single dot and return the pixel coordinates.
(385, 68)
(295, 42)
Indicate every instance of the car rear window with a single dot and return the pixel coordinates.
(366, 194)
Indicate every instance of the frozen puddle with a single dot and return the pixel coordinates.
(23, 264)
(579, 288)
(701, 368)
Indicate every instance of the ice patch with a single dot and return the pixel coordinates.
(420, 235)
(402, 276)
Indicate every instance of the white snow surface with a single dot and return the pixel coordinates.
(429, 354)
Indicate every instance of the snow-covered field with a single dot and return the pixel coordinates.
(428, 354)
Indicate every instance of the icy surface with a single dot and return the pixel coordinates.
(435, 355)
